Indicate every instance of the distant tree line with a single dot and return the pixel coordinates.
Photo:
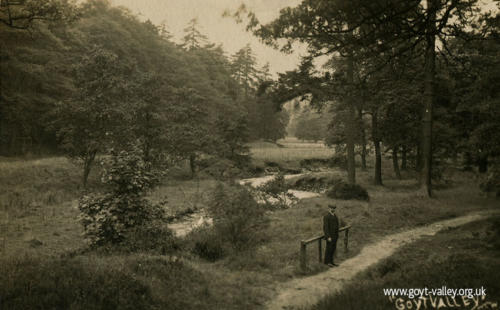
(84, 79)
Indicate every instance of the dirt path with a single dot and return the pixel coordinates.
(307, 291)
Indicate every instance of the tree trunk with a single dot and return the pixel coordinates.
(418, 159)
(378, 154)
(351, 166)
(192, 164)
(378, 164)
(403, 158)
(13, 144)
(430, 58)
(468, 161)
(395, 163)
(482, 163)
(363, 141)
(87, 166)
(146, 151)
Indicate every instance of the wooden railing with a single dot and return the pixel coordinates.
(304, 243)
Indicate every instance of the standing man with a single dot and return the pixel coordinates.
(331, 231)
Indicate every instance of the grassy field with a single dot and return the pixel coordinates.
(288, 152)
(463, 257)
(38, 218)
(391, 209)
(38, 204)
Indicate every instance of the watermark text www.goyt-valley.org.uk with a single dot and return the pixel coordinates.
(439, 298)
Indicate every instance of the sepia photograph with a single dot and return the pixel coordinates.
(249, 154)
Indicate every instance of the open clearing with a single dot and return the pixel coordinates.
(39, 218)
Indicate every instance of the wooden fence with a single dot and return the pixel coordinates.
(304, 243)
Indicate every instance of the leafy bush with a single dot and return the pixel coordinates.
(219, 169)
(241, 160)
(314, 183)
(154, 237)
(207, 243)
(272, 164)
(440, 175)
(315, 162)
(272, 167)
(492, 182)
(110, 217)
(238, 218)
(68, 284)
(346, 191)
(338, 160)
(276, 186)
(494, 234)
(255, 170)
(275, 192)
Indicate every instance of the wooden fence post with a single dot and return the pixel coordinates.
(320, 252)
(346, 240)
(304, 243)
(303, 256)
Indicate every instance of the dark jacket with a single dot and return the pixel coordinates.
(331, 226)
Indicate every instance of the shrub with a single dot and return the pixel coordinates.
(110, 217)
(68, 284)
(207, 243)
(276, 186)
(220, 168)
(492, 182)
(238, 218)
(255, 170)
(338, 160)
(241, 160)
(154, 237)
(314, 183)
(494, 234)
(275, 192)
(272, 164)
(315, 162)
(346, 191)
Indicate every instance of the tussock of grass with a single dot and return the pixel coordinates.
(118, 282)
(346, 191)
(30, 283)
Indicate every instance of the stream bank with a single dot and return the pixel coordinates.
(198, 218)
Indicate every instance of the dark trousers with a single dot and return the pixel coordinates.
(330, 250)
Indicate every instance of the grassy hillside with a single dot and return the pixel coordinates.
(464, 257)
(39, 228)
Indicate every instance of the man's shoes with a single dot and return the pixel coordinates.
(336, 265)
(332, 265)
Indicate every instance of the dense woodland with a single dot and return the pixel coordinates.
(94, 77)
(84, 79)
(416, 79)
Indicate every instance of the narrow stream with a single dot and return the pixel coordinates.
(183, 226)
